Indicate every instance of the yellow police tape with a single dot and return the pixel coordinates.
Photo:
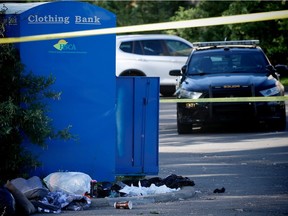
(230, 99)
(234, 19)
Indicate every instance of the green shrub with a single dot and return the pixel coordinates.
(284, 81)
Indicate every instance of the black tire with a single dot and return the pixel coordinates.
(280, 125)
(167, 91)
(167, 94)
(132, 73)
(184, 128)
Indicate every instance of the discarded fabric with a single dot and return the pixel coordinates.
(7, 202)
(55, 201)
(222, 190)
(143, 191)
(171, 181)
(23, 204)
(32, 188)
(107, 189)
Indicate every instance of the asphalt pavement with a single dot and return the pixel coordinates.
(255, 182)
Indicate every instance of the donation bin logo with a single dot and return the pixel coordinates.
(64, 45)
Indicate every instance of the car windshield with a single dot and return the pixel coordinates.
(227, 61)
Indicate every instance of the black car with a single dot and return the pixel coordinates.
(227, 69)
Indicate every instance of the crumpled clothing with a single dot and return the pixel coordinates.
(107, 189)
(55, 201)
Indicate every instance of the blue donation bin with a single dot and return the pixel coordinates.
(109, 119)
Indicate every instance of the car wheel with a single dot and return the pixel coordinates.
(167, 91)
(280, 125)
(132, 73)
(167, 94)
(184, 128)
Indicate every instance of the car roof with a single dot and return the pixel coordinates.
(232, 48)
(219, 45)
(149, 36)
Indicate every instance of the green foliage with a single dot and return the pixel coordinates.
(284, 81)
(13, 156)
(141, 12)
(22, 99)
(202, 10)
(272, 34)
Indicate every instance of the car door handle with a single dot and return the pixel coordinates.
(173, 60)
(140, 59)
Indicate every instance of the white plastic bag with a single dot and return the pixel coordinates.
(68, 182)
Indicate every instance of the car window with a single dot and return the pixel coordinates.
(153, 47)
(137, 49)
(131, 47)
(177, 48)
(126, 46)
(226, 61)
(156, 47)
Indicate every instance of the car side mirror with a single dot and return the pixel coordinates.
(178, 72)
(282, 69)
(272, 71)
(270, 68)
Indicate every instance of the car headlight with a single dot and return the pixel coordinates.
(182, 93)
(270, 91)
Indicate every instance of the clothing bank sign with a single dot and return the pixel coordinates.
(62, 17)
(58, 19)
(63, 45)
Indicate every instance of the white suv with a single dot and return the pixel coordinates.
(152, 55)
